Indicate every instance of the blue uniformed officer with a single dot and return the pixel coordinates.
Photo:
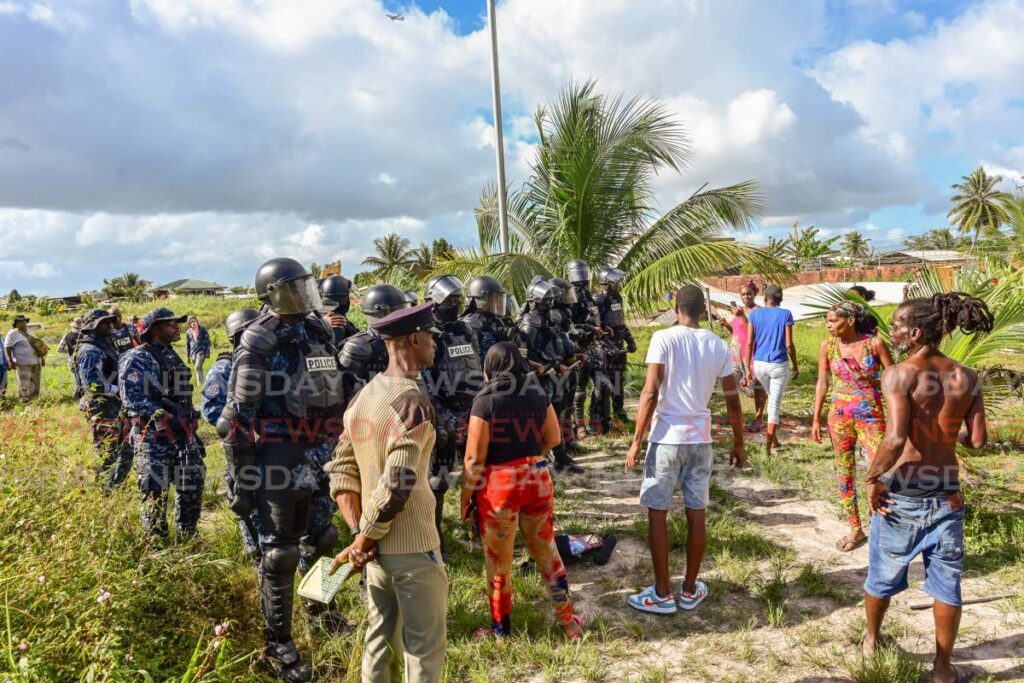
(96, 374)
(365, 354)
(285, 399)
(215, 396)
(156, 392)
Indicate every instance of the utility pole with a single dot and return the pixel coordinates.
(499, 143)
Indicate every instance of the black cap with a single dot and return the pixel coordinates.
(20, 318)
(406, 321)
(158, 315)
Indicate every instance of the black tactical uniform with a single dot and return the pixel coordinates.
(574, 340)
(617, 344)
(586, 322)
(545, 345)
(336, 298)
(486, 317)
(284, 403)
(452, 383)
(365, 354)
(123, 338)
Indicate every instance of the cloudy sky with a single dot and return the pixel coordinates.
(196, 138)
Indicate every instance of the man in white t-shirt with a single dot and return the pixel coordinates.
(684, 363)
(23, 359)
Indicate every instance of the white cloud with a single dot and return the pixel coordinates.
(384, 178)
(37, 270)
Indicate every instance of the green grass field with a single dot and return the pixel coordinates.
(84, 598)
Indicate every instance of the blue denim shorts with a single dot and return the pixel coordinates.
(687, 465)
(929, 527)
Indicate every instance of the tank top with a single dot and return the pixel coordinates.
(849, 385)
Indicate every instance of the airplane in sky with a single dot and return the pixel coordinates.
(396, 17)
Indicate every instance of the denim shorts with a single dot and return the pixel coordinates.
(687, 465)
(929, 527)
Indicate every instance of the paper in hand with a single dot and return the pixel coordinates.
(319, 586)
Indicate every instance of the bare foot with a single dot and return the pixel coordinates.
(851, 541)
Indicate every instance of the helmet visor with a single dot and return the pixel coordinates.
(569, 296)
(494, 303)
(444, 288)
(293, 297)
(578, 273)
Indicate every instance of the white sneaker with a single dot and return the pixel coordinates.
(649, 601)
(690, 601)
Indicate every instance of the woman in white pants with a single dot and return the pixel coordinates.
(770, 341)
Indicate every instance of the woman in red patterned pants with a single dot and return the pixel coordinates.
(506, 484)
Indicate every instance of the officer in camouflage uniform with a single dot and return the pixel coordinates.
(545, 346)
(365, 354)
(452, 383)
(215, 396)
(336, 298)
(618, 341)
(96, 373)
(124, 336)
(284, 403)
(587, 322)
(156, 392)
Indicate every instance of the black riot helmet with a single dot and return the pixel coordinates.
(439, 291)
(335, 293)
(577, 271)
(412, 297)
(540, 293)
(286, 287)
(237, 321)
(380, 300)
(568, 292)
(610, 276)
(489, 294)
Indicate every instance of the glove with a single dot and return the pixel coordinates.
(630, 345)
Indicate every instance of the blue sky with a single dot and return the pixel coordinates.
(196, 138)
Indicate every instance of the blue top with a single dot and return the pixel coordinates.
(215, 390)
(770, 325)
(3, 357)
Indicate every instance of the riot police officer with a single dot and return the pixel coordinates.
(412, 297)
(284, 401)
(215, 396)
(156, 393)
(545, 345)
(485, 314)
(335, 300)
(365, 354)
(574, 340)
(452, 383)
(587, 321)
(96, 373)
(618, 342)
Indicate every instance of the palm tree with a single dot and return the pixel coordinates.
(393, 254)
(1015, 229)
(977, 205)
(855, 246)
(938, 238)
(589, 196)
(805, 245)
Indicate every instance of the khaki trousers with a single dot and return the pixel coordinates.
(28, 381)
(408, 596)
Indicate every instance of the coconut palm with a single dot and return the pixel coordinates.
(938, 238)
(977, 206)
(1015, 229)
(393, 254)
(855, 246)
(589, 196)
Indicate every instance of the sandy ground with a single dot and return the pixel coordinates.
(728, 638)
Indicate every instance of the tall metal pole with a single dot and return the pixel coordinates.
(499, 143)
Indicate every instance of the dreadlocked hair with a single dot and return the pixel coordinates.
(941, 314)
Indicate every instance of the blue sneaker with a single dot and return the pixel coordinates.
(690, 601)
(649, 601)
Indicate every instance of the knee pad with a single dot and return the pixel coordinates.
(281, 559)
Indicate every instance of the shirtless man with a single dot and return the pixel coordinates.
(913, 482)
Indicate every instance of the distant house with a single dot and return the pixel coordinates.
(187, 286)
(945, 257)
(70, 303)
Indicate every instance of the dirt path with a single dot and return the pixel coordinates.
(731, 637)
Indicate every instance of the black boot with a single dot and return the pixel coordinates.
(286, 663)
(277, 586)
(326, 618)
(564, 463)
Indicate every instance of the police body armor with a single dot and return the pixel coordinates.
(541, 342)
(175, 383)
(110, 407)
(492, 329)
(364, 355)
(122, 340)
(457, 367)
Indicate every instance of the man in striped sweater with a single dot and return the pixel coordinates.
(379, 477)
